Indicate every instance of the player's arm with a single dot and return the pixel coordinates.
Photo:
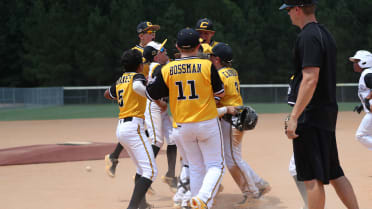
(110, 93)
(310, 76)
(232, 110)
(156, 88)
(139, 84)
(217, 84)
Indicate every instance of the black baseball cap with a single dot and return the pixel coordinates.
(146, 26)
(204, 24)
(223, 51)
(187, 38)
(294, 3)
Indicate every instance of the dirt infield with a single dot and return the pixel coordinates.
(68, 185)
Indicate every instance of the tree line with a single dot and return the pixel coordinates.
(79, 42)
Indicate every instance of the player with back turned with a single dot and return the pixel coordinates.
(312, 123)
(129, 91)
(251, 185)
(191, 83)
(146, 33)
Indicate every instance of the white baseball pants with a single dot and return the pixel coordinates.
(203, 145)
(242, 173)
(158, 125)
(364, 132)
(131, 135)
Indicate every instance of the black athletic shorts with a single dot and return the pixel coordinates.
(316, 155)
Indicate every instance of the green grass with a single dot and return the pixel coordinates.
(59, 112)
(111, 111)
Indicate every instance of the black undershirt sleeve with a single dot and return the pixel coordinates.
(156, 88)
(139, 77)
(113, 90)
(217, 84)
(368, 80)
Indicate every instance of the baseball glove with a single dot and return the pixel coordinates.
(246, 119)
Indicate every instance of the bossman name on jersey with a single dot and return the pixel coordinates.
(185, 68)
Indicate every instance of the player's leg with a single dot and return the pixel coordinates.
(210, 143)
(183, 194)
(186, 138)
(315, 194)
(170, 177)
(345, 192)
(364, 132)
(111, 160)
(154, 126)
(132, 135)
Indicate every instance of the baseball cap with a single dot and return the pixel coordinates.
(223, 51)
(363, 58)
(187, 38)
(146, 26)
(151, 50)
(294, 3)
(204, 24)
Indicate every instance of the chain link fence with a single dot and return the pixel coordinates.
(16, 97)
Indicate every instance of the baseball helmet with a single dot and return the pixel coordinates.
(294, 3)
(363, 58)
(204, 24)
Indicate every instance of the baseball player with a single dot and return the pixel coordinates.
(251, 185)
(190, 83)
(129, 91)
(157, 119)
(206, 32)
(362, 63)
(146, 32)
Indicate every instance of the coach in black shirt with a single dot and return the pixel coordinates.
(313, 118)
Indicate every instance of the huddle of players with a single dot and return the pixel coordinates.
(199, 91)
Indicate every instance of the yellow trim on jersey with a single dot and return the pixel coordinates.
(145, 71)
(230, 79)
(130, 103)
(190, 89)
(147, 152)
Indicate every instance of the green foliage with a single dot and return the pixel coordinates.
(79, 42)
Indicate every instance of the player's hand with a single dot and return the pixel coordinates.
(358, 108)
(290, 126)
(232, 110)
(163, 105)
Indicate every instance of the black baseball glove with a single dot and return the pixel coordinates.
(246, 119)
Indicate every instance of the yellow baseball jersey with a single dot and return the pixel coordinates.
(190, 84)
(145, 71)
(230, 80)
(130, 103)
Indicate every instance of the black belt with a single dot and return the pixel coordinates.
(126, 119)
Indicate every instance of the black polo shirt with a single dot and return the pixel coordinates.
(315, 47)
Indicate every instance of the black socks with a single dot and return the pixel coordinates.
(117, 151)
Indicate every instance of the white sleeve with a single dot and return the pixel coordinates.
(221, 111)
(139, 88)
